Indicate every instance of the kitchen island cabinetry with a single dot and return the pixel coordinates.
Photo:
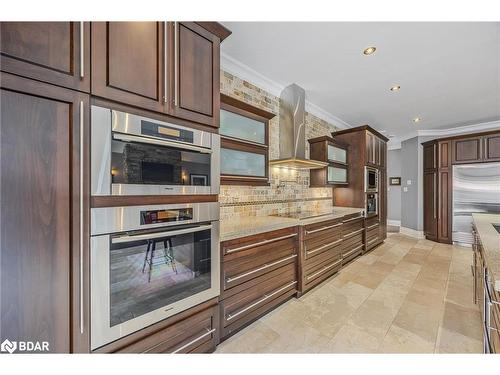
(485, 269)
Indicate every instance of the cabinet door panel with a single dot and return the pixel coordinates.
(444, 154)
(444, 206)
(47, 51)
(492, 147)
(127, 61)
(467, 150)
(430, 204)
(195, 72)
(40, 127)
(430, 156)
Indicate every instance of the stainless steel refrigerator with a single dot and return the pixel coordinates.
(476, 188)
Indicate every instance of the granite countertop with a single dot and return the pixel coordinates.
(490, 239)
(240, 227)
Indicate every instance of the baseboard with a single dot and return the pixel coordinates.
(412, 232)
(394, 223)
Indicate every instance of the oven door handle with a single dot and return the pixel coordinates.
(147, 236)
(161, 142)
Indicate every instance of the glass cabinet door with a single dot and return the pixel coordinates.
(337, 175)
(242, 127)
(241, 163)
(337, 154)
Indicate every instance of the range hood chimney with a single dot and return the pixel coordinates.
(292, 131)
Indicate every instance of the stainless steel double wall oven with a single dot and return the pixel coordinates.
(153, 261)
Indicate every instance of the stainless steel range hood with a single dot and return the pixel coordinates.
(292, 131)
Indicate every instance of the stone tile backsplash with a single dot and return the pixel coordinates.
(289, 189)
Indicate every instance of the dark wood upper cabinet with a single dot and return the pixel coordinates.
(40, 254)
(467, 150)
(168, 67)
(194, 73)
(444, 154)
(370, 148)
(430, 156)
(52, 52)
(492, 147)
(127, 63)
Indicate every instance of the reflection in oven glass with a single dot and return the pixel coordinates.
(140, 163)
(149, 274)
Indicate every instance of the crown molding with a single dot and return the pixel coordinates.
(243, 71)
(473, 128)
(395, 143)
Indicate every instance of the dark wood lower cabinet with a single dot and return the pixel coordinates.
(43, 297)
(195, 330)
(257, 274)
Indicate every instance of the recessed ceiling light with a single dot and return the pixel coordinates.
(417, 119)
(383, 131)
(369, 50)
(395, 88)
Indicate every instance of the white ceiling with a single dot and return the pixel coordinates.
(449, 73)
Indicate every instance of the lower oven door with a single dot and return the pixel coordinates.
(140, 278)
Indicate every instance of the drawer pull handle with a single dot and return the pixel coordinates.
(324, 269)
(372, 226)
(371, 241)
(209, 332)
(354, 218)
(259, 243)
(231, 279)
(346, 255)
(323, 247)
(258, 302)
(323, 228)
(353, 233)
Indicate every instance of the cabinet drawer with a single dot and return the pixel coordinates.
(352, 225)
(352, 250)
(248, 301)
(315, 248)
(259, 261)
(320, 237)
(323, 258)
(195, 334)
(252, 245)
(352, 242)
(371, 220)
(318, 272)
(325, 228)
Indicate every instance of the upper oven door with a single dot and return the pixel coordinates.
(134, 155)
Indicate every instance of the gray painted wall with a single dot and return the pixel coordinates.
(394, 192)
(410, 184)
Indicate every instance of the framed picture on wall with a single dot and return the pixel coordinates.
(198, 179)
(394, 180)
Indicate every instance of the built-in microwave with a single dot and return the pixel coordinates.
(135, 155)
(371, 180)
(149, 263)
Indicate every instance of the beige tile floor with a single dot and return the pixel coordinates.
(406, 296)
